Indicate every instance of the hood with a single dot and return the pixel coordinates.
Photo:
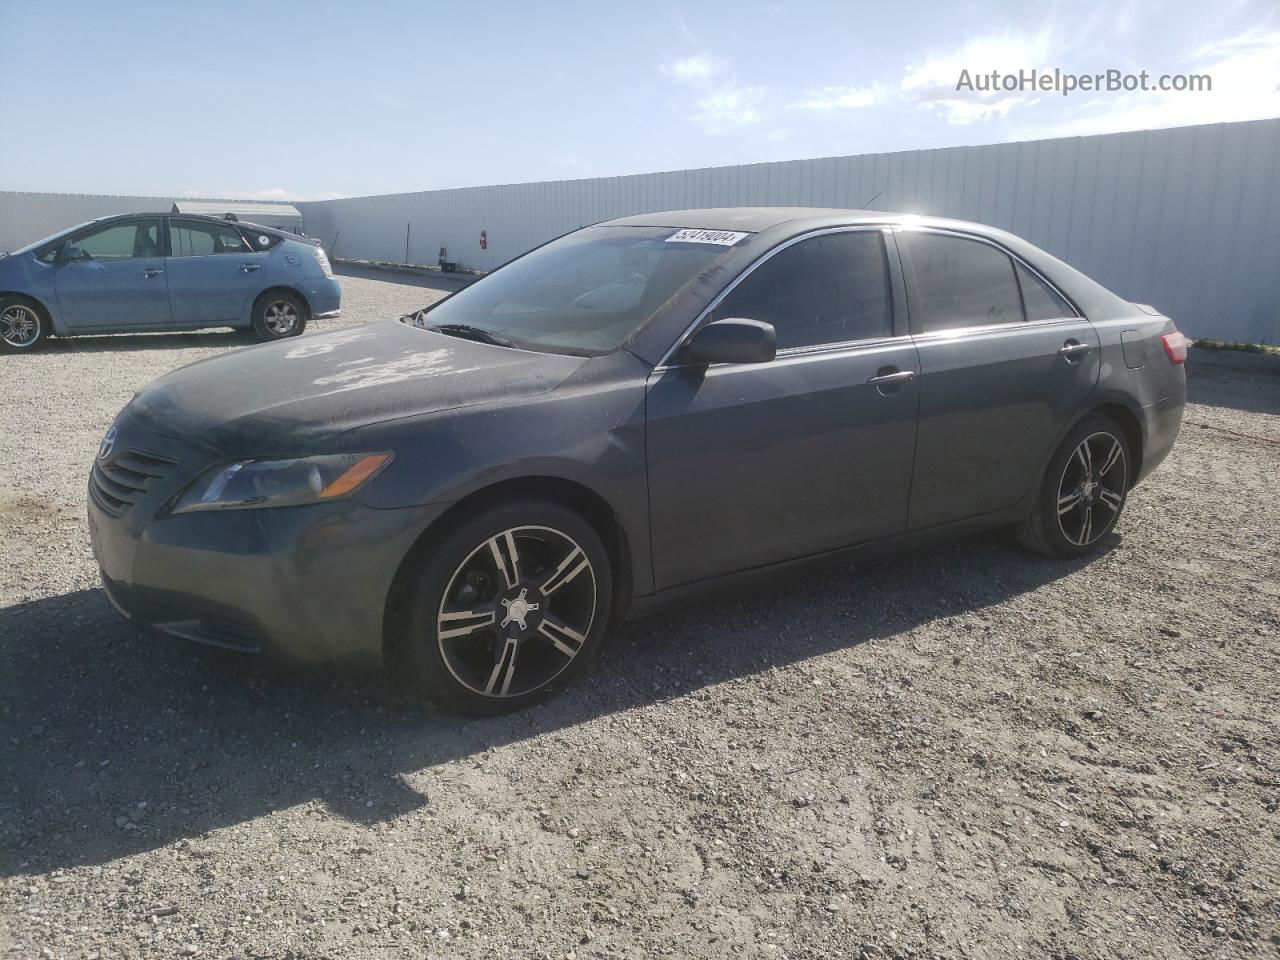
(277, 398)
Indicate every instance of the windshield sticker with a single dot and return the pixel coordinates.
(723, 238)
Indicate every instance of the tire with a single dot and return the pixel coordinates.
(23, 324)
(478, 640)
(1083, 492)
(278, 315)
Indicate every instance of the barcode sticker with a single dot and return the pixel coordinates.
(723, 238)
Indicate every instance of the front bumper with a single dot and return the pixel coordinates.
(306, 583)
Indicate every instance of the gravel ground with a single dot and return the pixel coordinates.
(962, 752)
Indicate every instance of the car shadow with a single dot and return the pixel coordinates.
(1250, 384)
(132, 342)
(116, 743)
(447, 282)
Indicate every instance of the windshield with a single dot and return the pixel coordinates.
(53, 236)
(584, 294)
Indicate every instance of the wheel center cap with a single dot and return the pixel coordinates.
(518, 609)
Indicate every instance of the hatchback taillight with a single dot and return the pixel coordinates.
(1175, 345)
(324, 262)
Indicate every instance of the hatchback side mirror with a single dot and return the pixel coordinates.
(732, 340)
(70, 252)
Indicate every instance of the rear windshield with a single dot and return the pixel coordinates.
(583, 294)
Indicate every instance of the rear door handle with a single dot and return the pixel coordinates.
(250, 267)
(151, 273)
(1073, 348)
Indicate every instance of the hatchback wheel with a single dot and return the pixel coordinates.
(22, 324)
(1083, 492)
(278, 315)
(509, 607)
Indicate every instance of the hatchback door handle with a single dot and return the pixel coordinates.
(151, 273)
(1072, 349)
(250, 267)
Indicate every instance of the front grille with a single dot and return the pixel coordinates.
(116, 484)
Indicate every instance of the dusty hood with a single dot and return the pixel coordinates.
(277, 397)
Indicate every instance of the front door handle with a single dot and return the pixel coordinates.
(151, 273)
(1074, 349)
(250, 267)
(889, 379)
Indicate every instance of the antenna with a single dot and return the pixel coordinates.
(871, 201)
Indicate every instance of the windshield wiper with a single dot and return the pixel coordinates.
(468, 332)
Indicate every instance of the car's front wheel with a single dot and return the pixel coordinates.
(1083, 492)
(279, 314)
(509, 607)
(22, 324)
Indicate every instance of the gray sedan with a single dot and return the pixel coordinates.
(627, 416)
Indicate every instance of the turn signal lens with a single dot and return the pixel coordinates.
(355, 475)
(1175, 345)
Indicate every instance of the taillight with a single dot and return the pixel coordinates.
(1175, 345)
(324, 262)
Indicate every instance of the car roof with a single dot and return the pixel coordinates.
(288, 235)
(793, 219)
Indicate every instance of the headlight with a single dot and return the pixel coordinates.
(281, 483)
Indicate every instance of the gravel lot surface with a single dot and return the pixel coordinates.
(962, 752)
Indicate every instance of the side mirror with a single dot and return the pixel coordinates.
(70, 252)
(733, 340)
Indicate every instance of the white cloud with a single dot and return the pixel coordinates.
(720, 101)
(696, 69)
(1245, 74)
(729, 106)
(932, 83)
(840, 98)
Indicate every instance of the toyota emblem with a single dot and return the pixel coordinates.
(108, 442)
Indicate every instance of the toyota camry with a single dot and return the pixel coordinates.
(630, 414)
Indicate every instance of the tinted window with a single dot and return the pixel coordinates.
(120, 241)
(962, 283)
(191, 238)
(1041, 302)
(259, 240)
(826, 289)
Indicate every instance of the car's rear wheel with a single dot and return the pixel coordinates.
(278, 315)
(510, 607)
(1083, 492)
(22, 324)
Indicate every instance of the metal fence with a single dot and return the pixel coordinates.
(1187, 219)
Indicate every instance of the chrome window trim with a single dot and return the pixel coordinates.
(870, 345)
(955, 333)
(966, 235)
(767, 255)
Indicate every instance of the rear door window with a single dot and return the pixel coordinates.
(831, 288)
(961, 282)
(194, 238)
(1041, 302)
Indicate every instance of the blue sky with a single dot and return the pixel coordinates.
(301, 100)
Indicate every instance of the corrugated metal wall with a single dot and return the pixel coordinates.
(1187, 219)
(27, 217)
